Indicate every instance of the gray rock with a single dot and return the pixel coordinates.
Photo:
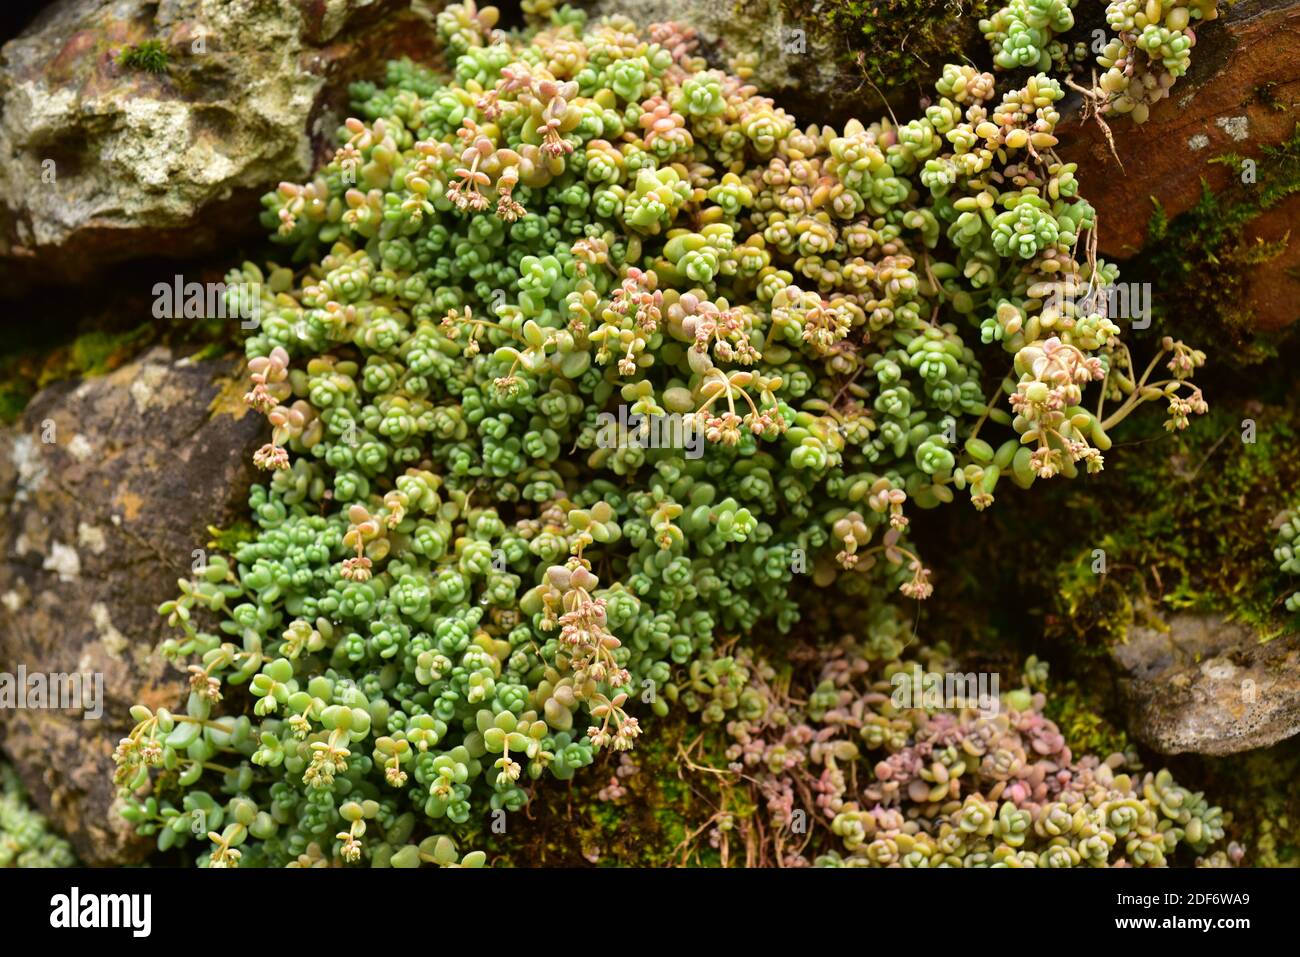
(100, 162)
(96, 526)
(814, 57)
(1209, 686)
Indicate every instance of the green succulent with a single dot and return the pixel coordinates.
(26, 839)
(468, 564)
(1287, 553)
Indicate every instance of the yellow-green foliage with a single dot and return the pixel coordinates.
(31, 367)
(150, 56)
(1079, 714)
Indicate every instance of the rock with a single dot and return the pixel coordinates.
(103, 162)
(17, 15)
(1244, 72)
(1209, 686)
(1273, 286)
(96, 526)
(1238, 97)
(823, 60)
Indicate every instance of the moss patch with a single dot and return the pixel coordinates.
(98, 352)
(904, 43)
(1201, 539)
(150, 56)
(1199, 262)
(1077, 714)
(662, 820)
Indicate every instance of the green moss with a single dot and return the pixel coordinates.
(1185, 526)
(1186, 522)
(1266, 93)
(900, 43)
(226, 540)
(1201, 539)
(150, 56)
(663, 820)
(98, 353)
(14, 396)
(72, 344)
(1078, 712)
(1199, 262)
(36, 365)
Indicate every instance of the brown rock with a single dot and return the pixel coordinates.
(1244, 66)
(1273, 286)
(97, 526)
(1209, 686)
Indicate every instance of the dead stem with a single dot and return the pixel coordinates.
(1092, 109)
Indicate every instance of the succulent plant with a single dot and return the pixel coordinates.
(1287, 553)
(458, 585)
(1022, 33)
(851, 779)
(25, 838)
(1151, 49)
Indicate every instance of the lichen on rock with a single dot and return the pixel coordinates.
(137, 129)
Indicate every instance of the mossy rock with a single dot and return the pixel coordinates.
(828, 60)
